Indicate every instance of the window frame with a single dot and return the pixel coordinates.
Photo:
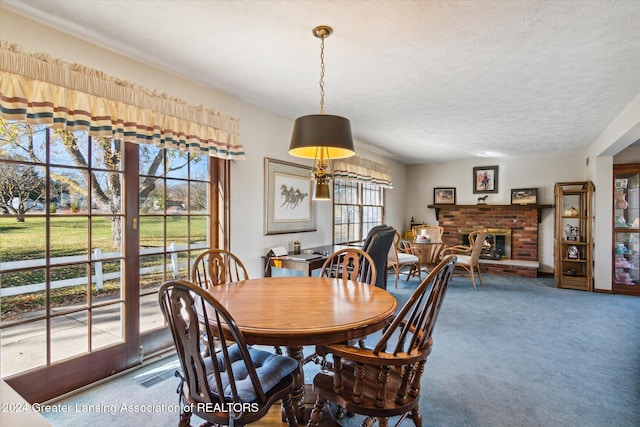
(359, 206)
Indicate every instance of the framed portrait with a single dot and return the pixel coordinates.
(485, 179)
(288, 207)
(444, 196)
(524, 196)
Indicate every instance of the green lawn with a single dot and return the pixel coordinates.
(26, 240)
(69, 236)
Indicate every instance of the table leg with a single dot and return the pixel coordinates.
(297, 394)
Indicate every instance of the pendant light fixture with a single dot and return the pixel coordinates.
(321, 137)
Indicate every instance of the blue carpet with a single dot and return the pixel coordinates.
(518, 352)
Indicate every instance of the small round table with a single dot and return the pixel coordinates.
(298, 311)
(430, 252)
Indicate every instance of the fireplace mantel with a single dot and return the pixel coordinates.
(484, 205)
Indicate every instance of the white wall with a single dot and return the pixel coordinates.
(262, 133)
(540, 171)
(623, 131)
(628, 155)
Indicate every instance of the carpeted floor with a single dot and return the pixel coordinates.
(518, 352)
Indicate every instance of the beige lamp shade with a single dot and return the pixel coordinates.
(330, 133)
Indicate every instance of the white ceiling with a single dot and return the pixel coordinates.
(425, 81)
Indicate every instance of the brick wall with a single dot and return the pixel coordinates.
(521, 220)
(510, 270)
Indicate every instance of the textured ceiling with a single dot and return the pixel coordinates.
(424, 81)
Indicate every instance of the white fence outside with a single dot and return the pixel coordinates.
(99, 277)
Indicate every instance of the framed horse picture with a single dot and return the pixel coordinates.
(485, 179)
(288, 207)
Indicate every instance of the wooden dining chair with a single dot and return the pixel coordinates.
(350, 264)
(384, 381)
(238, 384)
(400, 257)
(469, 256)
(215, 267)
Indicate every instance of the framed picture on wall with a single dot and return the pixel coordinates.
(524, 196)
(444, 196)
(288, 207)
(485, 179)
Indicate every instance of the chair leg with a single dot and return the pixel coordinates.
(416, 416)
(413, 269)
(473, 279)
(316, 413)
(479, 275)
(368, 422)
(185, 419)
(289, 412)
(412, 272)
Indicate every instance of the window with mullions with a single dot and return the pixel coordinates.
(63, 216)
(61, 260)
(357, 208)
(174, 217)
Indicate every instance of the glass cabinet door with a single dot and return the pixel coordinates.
(626, 217)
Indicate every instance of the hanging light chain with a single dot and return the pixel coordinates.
(322, 32)
(322, 76)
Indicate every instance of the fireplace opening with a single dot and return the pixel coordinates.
(497, 244)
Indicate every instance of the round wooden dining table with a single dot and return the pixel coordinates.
(299, 311)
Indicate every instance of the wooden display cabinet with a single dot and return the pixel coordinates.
(573, 235)
(626, 229)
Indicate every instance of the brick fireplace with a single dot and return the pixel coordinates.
(497, 242)
(521, 220)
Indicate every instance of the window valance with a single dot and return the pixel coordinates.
(364, 170)
(38, 89)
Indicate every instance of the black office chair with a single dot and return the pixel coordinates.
(377, 244)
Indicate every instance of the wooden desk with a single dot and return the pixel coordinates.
(298, 311)
(293, 264)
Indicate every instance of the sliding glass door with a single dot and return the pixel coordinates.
(89, 229)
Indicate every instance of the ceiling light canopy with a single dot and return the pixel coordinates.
(321, 137)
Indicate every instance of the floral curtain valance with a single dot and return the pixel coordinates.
(363, 170)
(38, 89)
